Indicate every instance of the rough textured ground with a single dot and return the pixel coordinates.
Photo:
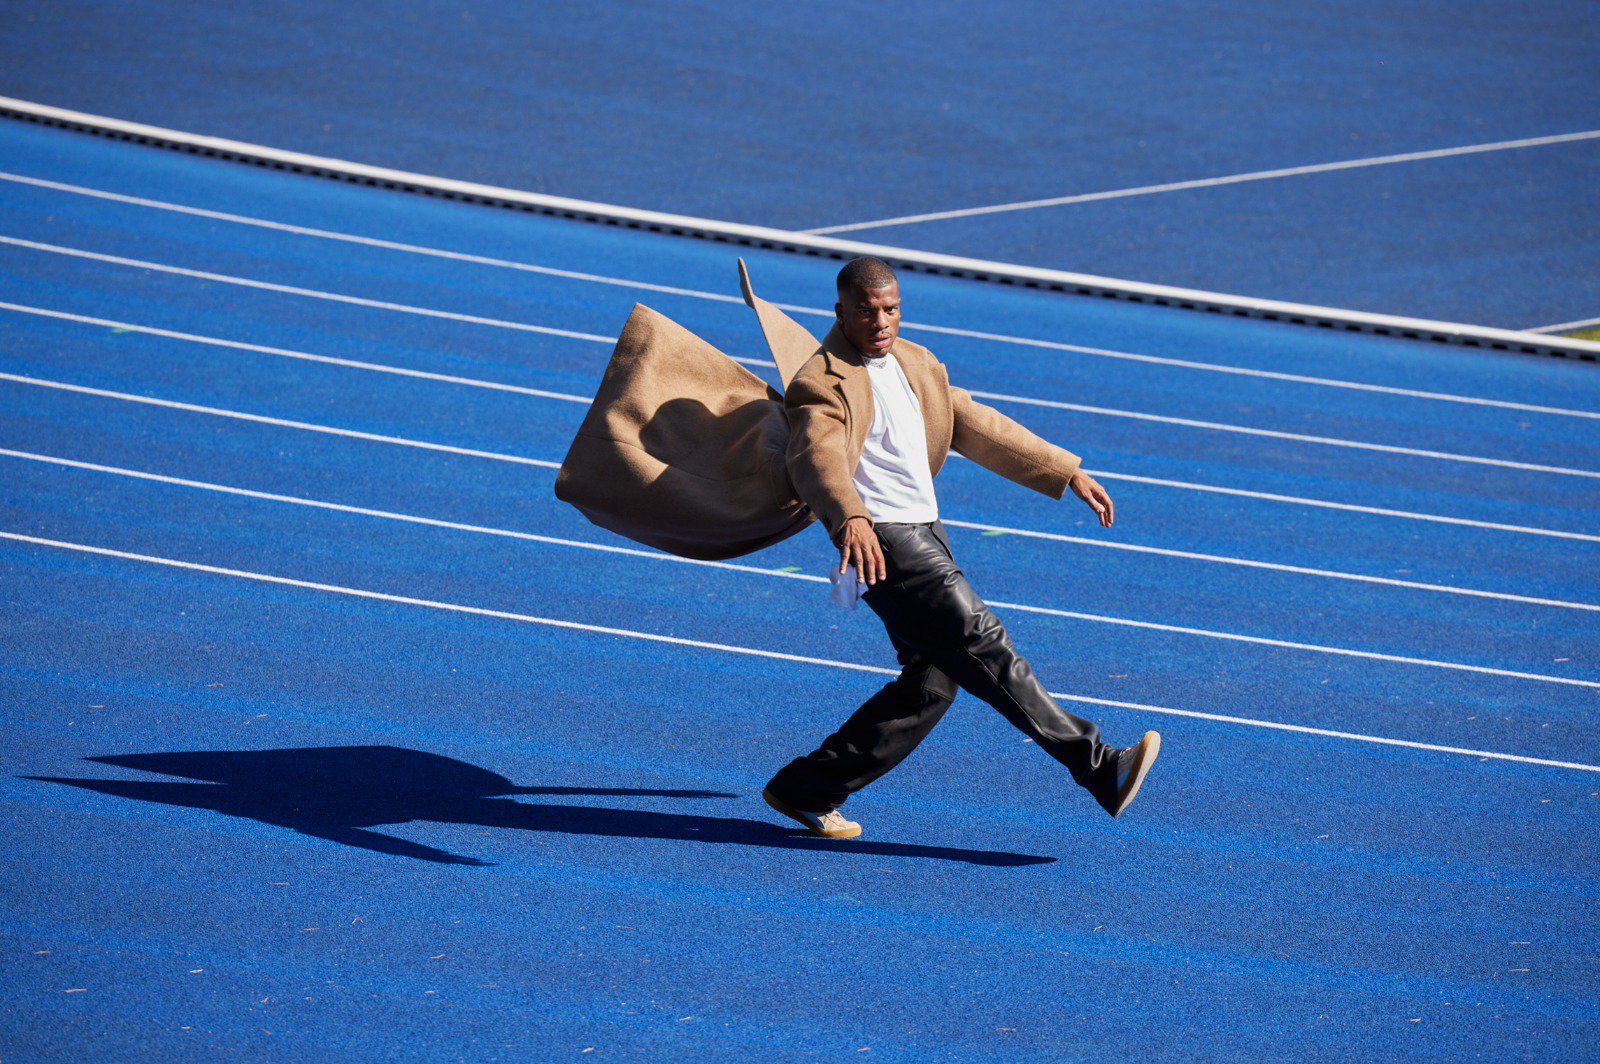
(254, 820)
(803, 116)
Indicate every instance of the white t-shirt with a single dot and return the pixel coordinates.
(893, 479)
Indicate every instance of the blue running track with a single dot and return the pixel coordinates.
(812, 116)
(329, 734)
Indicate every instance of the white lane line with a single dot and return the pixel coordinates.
(766, 364)
(434, 604)
(653, 637)
(718, 297)
(1377, 511)
(367, 241)
(349, 363)
(391, 515)
(1224, 559)
(1210, 426)
(1565, 326)
(1296, 378)
(508, 533)
(1331, 441)
(1210, 182)
(1092, 618)
(310, 293)
(1302, 729)
(1181, 485)
(280, 422)
(1285, 644)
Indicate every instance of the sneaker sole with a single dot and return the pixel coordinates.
(799, 818)
(1152, 746)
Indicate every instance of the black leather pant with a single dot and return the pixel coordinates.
(945, 637)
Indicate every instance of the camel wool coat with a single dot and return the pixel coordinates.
(829, 403)
(685, 450)
(682, 448)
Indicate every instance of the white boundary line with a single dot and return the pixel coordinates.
(759, 236)
(1092, 618)
(501, 323)
(375, 242)
(748, 651)
(1212, 182)
(307, 426)
(1026, 533)
(349, 363)
(1333, 574)
(951, 522)
(1212, 367)
(478, 383)
(1566, 326)
(309, 293)
(1376, 511)
(646, 286)
(1330, 441)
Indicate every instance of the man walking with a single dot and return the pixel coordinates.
(871, 418)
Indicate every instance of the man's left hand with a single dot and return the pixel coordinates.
(1086, 488)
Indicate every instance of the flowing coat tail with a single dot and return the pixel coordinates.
(683, 449)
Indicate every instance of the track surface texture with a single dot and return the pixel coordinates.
(812, 117)
(329, 734)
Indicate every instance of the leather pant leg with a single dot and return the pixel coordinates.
(928, 605)
(875, 739)
(945, 636)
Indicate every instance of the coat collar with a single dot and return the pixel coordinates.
(838, 357)
(843, 361)
(923, 373)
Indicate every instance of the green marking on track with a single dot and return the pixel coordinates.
(788, 569)
(117, 329)
(1585, 334)
(993, 532)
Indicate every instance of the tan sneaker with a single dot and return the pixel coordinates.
(830, 825)
(1132, 764)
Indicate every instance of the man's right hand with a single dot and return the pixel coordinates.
(858, 546)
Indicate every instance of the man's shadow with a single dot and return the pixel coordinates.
(339, 793)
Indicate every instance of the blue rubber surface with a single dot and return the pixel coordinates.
(254, 820)
(799, 116)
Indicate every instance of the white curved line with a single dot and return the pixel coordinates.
(762, 363)
(1331, 441)
(1211, 182)
(307, 426)
(1377, 511)
(1214, 426)
(283, 352)
(718, 297)
(1044, 610)
(1224, 559)
(310, 293)
(952, 522)
(764, 236)
(659, 556)
(749, 651)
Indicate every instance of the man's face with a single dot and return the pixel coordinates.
(870, 318)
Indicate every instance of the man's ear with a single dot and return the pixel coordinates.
(838, 312)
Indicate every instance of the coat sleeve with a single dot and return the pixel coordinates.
(818, 462)
(999, 444)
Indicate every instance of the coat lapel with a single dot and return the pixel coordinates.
(850, 378)
(923, 372)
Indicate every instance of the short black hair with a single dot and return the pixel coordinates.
(865, 272)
